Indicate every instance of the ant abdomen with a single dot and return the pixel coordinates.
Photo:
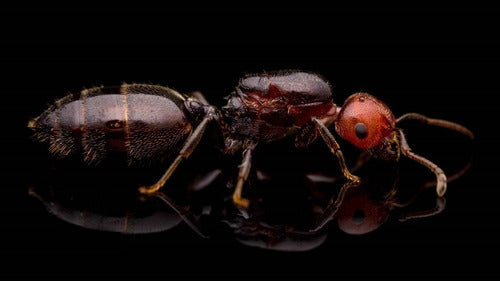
(142, 121)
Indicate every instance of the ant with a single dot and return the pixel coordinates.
(148, 121)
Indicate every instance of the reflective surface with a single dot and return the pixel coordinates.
(290, 211)
(439, 62)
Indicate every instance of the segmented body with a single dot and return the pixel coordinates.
(273, 105)
(143, 121)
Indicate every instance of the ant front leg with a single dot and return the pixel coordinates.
(335, 148)
(242, 177)
(185, 152)
(440, 175)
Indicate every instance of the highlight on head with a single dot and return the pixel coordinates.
(364, 121)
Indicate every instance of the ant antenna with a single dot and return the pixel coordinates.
(406, 150)
(436, 122)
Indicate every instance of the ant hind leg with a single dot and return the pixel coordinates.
(185, 152)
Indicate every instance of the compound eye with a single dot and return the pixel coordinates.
(364, 121)
(361, 130)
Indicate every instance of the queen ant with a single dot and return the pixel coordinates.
(148, 121)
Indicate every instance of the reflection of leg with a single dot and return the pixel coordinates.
(436, 122)
(185, 215)
(188, 148)
(440, 176)
(242, 177)
(313, 178)
(332, 207)
(335, 148)
(440, 206)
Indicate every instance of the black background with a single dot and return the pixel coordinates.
(441, 62)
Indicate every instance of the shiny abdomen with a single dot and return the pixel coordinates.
(143, 121)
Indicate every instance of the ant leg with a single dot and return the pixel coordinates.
(440, 175)
(437, 122)
(335, 148)
(242, 177)
(451, 177)
(430, 183)
(185, 152)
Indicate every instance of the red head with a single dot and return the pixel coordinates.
(369, 124)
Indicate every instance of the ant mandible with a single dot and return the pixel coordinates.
(148, 121)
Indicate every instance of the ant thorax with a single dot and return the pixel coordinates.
(270, 106)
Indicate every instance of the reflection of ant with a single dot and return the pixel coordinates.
(92, 210)
(294, 221)
(360, 208)
(147, 121)
(360, 212)
(255, 233)
(93, 204)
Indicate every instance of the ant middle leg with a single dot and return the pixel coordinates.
(242, 177)
(185, 152)
(335, 148)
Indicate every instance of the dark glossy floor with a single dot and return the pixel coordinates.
(63, 219)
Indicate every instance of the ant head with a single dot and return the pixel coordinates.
(367, 123)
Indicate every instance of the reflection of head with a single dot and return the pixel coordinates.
(360, 215)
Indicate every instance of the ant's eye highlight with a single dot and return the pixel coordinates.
(361, 130)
